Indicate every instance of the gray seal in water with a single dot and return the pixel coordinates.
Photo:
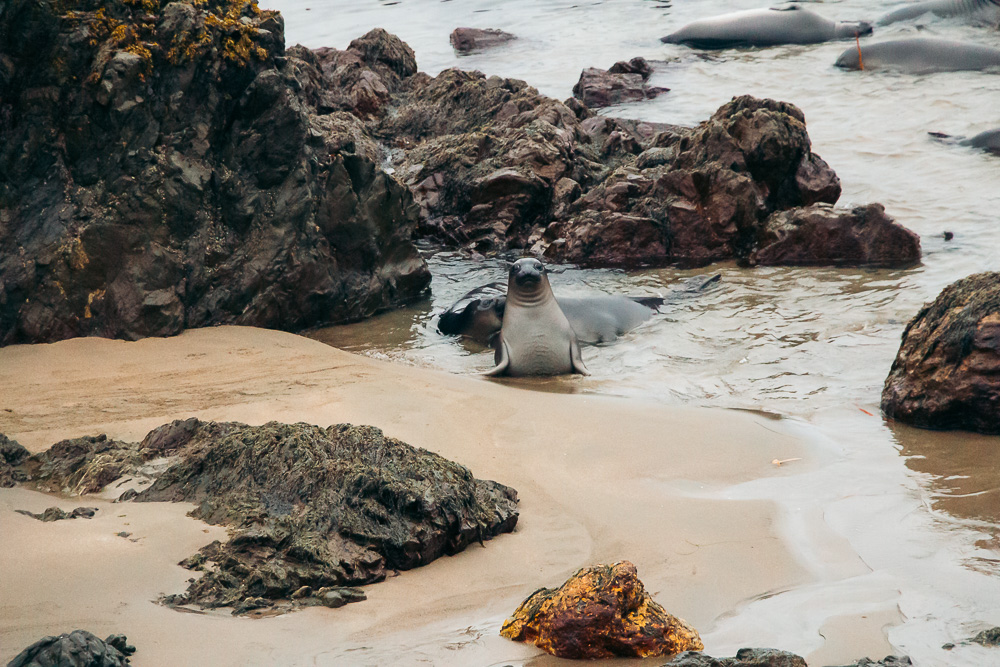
(788, 24)
(984, 9)
(535, 338)
(920, 55)
(988, 141)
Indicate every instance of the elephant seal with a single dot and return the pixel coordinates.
(921, 55)
(984, 9)
(596, 318)
(788, 24)
(988, 141)
(535, 338)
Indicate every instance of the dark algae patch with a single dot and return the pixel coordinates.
(313, 511)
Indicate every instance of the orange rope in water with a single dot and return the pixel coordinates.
(861, 63)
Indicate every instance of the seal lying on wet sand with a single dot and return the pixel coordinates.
(921, 55)
(984, 9)
(536, 338)
(788, 24)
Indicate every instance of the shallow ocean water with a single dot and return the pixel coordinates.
(921, 509)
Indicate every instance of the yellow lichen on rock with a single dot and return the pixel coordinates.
(600, 612)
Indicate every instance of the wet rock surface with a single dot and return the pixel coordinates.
(821, 235)
(946, 374)
(990, 637)
(12, 454)
(887, 661)
(495, 166)
(745, 657)
(58, 514)
(76, 649)
(313, 512)
(600, 612)
(622, 82)
(466, 40)
(167, 166)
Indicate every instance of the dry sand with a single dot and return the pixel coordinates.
(600, 480)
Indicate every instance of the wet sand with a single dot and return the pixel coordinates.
(600, 479)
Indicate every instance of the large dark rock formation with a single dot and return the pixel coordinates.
(76, 649)
(495, 166)
(600, 612)
(947, 372)
(166, 166)
(313, 511)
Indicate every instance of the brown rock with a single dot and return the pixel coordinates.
(622, 82)
(465, 40)
(600, 612)
(947, 372)
(822, 235)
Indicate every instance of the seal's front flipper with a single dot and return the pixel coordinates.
(501, 357)
(575, 358)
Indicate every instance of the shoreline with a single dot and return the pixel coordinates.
(600, 480)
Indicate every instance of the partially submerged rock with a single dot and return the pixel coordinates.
(170, 165)
(990, 637)
(600, 612)
(466, 40)
(946, 374)
(622, 82)
(76, 649)
(313, 512)
(58, 514)
(887, 661)
(821, 235)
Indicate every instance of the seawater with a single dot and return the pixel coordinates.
(814, 345)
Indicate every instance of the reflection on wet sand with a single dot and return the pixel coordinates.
(963, 469)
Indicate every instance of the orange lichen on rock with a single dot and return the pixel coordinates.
(600, 612)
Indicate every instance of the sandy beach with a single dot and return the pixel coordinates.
(600, 480)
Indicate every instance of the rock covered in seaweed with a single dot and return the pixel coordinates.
(167, 166)
(946, 374)
(745, 657)
(12, 454)
(821, 235)
(313, 511)
(76, 649)
(600, 612)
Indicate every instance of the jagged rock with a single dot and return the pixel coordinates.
(167, 166)
(820, 235)
(745, 657)
(946, 374)
(12, 454)
(990, 637)
(887, 661)
(75, 649)
(57, 514)
(466, 40)
(763, 657)
(600, 612)
(622, 82)
(326, 509)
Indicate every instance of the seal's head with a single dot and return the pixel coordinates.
(851, 29)
(526, 274)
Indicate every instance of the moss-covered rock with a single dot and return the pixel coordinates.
(170, 165)
(313, 511)
(600, 612)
